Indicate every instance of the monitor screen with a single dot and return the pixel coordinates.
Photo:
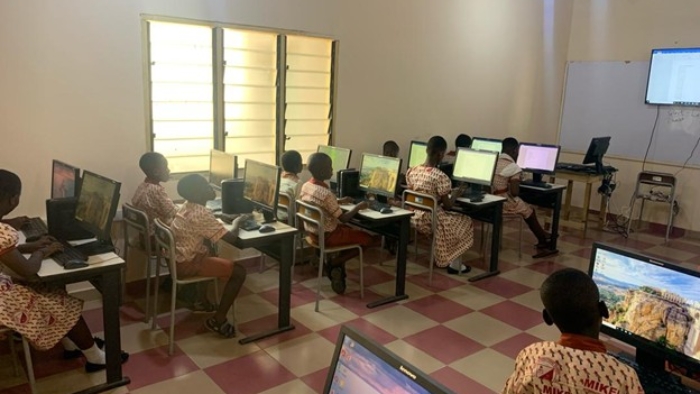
(340, 157)
(674, 77)
(474, 166)
(489, 144)
(97, 204)
(360, 365)
(222, 167)
(538, 158)
(260, 184)
(64, 180)
(379, 174)
(417, 154)
(653, 305)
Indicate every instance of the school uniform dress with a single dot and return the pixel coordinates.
(507, 169)
(155, 202)
(574, 365)
(335, 233)
(41, 314)
(454, 232)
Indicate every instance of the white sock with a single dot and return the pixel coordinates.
(457, 264)
(68, 344)
(95, 355)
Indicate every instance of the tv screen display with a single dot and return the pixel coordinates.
(674, 77)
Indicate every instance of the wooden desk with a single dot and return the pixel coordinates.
(588, 180)
(108, 275)
(396, 225)
(278, 244)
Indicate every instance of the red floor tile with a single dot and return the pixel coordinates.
(49, 362)
(440, 282)
(154, 365)
(316, 380)
(686, 247)
(373, 276)
(516, 315)
(129, 313)
(444, 344)
(438, 308)
(585, 253)
(501, 286)
(459, 383)
(513, 345)
(249, 374)
(301, 295)
(268, 323)
(632, 243)
(352, 302)
(546, 267)
(367, 328)
(187, 324)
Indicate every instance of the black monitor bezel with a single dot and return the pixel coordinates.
(538, 170)
(212, 153)
(334, 178)
(263, 207)
(410, 150)
(105, 234)
(377, 191)
(487, 139)
(645, 346)
(76, 175)
(651, 63)
(421, 378)
(473, 180)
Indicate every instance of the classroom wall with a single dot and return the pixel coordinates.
(603, 30)
(72, 74)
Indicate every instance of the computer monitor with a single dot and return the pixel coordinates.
(539, 159)
(222, 167)
(261, 183)
(653, 305)
(417, 155)
(489, 144)
(340, 157)
(360, 365)
(379, 174)
(474, 167)
(65, 180)
(596, 151)
(97, 204)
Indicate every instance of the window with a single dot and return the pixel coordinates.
(250, 92)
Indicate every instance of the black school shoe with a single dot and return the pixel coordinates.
(453, 271)
(90, 367)
(336, 273)
(71, 354)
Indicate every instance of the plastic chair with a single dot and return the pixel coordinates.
(137, 220)
(428, 204)
(27, 357)
(312, 217)
(286, 204)
(166, 245)
(655, 179)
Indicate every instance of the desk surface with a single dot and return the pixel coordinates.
(370, 214)
(50, 268)
(554, 187)
(488, 199)
(280, 229)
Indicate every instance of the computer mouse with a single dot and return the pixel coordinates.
(266, 228)
(33, 238)
(73, 264)
(385, 210)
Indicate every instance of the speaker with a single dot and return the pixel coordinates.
(60, 219)
(232, 200)
(348, 183)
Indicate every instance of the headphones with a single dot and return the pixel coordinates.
(607, 186)
(602, 309)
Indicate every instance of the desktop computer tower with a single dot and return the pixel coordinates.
(348, 183)
(232, 200)
(60, 220)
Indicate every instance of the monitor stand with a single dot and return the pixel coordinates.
(96, 247)
(599, 168)
(474, 193)
(268, 216)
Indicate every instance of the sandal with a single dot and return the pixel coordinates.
(224, 329)
(203, 307)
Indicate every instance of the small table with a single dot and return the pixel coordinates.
(588, 180)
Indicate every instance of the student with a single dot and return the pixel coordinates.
(462, 141)
(454, 233)
(150, 195)
(289, 182)
(578, 362)
(194, 225)
(390, 149)
(506, 182)
(43, 315)
(317, 192)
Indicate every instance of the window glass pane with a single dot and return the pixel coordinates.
(308, 95)
(305, 127)
(308, 111)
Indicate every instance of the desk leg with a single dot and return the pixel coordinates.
(400, 294)
(586, 207)
(284, 322)
(567, 204)
(556, 213)
(603, 217)
(495, 244)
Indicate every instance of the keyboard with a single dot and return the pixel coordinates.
(372, 204)
(214, 205)
(656, 382)
(249, 225)
(68, 253)
(530, 182)
(34, 227)
(583, 168)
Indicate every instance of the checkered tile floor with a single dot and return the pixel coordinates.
(465, 335)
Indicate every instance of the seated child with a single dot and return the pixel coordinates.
(317, 192)
(390, 149)
(192, 226)
(43, 315)
(506, 182)
(462, 141)
(289, 181)
(578, 361)
(150, 195)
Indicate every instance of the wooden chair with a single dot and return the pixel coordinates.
(428, 204)
(311, 216)
(166, 245)
(27, 357)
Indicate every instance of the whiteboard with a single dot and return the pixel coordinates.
(607, 99)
